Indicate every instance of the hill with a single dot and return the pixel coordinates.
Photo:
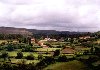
(24, 31)
(12, 30)
(48, 32)
(72, 65)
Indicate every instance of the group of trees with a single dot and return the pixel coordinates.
(19, 66)
(26, 40)
(10, 36)
(12, 47)
(19, 56)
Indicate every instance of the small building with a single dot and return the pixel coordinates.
(85, 37)
(32, 40)
(41, 43)
(61, 40)
(49, 39)
(67, 50)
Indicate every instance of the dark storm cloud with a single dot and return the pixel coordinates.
(73, 15)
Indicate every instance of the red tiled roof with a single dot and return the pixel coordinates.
(67, 51)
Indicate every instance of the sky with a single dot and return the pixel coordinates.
(60, 15)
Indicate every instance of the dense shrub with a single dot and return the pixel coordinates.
(10, 47)
(40, 57)
(62, 58)
(4, 55)
(45, 62)
(19, 55)
(56, 53)
(30, 57)
(27, 48)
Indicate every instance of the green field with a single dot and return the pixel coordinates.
(3, 41)
(98, 41)
(72, 65)
(47, 49)
(26, 61)
(14, 53)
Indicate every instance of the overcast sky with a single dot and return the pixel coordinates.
(69, 15)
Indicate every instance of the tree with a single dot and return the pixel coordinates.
(29, 41)
(24, 40)
(28, 48)
(56, 53)
(44, 62)
(4, 55)
(30, 57)
(19, 55)
(62, 58)
(40, 57)
(10, 47)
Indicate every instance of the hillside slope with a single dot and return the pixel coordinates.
(72, 65)
(12, 30)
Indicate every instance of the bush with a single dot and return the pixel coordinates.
(10, 47)
(56, 53)
(40, 57)
(4, 55)
(44, 62)
(30, 57)
(62, 58)
(27, 49)
(19, 55)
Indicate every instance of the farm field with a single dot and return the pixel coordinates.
(3, 41)
(14, 61)
(47, 49)
(14, 53)
(71, 65)
(98, 41)
(26, 61)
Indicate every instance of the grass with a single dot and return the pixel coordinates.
(6, 41)
(98, 41)
(84, 57)
(1, 59)
(14, 53)
(32, 61)
(72, 65)
(47, 49)
(26, 61)
(3, 41)
(82, 48)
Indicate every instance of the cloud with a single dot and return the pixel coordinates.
(73, 15)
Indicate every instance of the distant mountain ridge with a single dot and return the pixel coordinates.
(12, 30)
(24, 31)
(48, 32)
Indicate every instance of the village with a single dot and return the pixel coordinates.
(31, 50)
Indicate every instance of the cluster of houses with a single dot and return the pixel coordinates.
(85, 37)
(67, 50)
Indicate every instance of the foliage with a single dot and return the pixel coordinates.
(4, 55)
(71, 65)
(19, 55)
(44, 62)
(27, 48)
(40, 57)
(56, 53)
(10, 36)
(62, 58)
(30, 57)
(10, 47)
